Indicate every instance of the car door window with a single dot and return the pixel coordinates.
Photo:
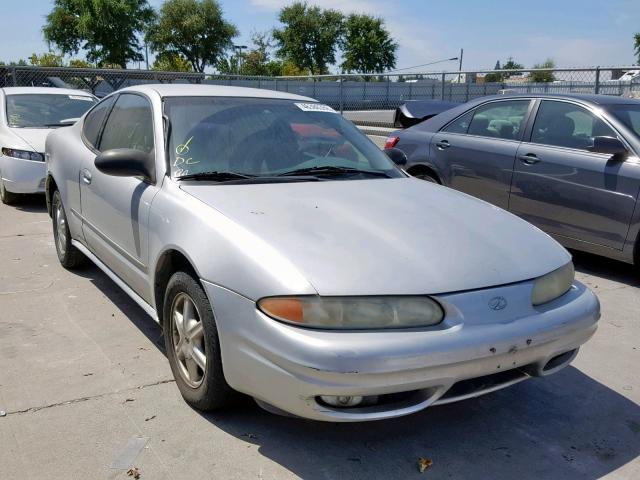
(503, 119)
(94, 119)
(565, 124)
(130, 125)
(460, 124)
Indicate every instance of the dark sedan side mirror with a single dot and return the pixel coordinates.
(608, 145)
(126, 162)
(397, 156)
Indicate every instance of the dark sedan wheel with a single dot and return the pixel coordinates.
(426, 177)
(7, 197)
(192, 343)
(70, 257)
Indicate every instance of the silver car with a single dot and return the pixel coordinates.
(287, 258)
(27, 115)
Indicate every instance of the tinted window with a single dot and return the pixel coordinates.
(567, 125)
(45, 110)
(499, 119)
(460, 124)
(627, 114)
(130, 125)
(93, 121)
(262, 136)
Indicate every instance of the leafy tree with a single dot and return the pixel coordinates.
(636, 45)
(106, 29)
(228, 65)
(510, 64)
(256, 61)
(49, 59)
(171, 62)
(79, 63)
(544, 76)
(309, 37)
(194, 29)
(367, 45)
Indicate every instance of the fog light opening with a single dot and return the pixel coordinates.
(342, 401)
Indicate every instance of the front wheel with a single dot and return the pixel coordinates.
(193, 346)
(7, 197)
(426, 177)
(70, 257)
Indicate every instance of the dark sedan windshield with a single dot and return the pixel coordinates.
(629, 114)
(266, 137)
(38, 110)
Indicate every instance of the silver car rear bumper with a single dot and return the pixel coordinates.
(23, 176)
(476, 349)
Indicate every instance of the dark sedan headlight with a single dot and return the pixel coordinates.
(355, 313)
(553, 285)
(23, 154)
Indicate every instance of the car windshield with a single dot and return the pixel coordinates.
(629, 114)
(45, 110)
(259, 137)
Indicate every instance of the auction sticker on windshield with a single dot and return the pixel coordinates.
(315, 107)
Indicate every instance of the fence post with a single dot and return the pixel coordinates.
(314, 88)
(388, 86)
(467, 91)
(276, 84)
(341, 95)
(597, 85)
(442, 91)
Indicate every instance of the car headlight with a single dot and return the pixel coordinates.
(354, 312)
(552, 285)
(22, 154)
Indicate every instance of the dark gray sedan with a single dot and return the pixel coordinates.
(566, 163)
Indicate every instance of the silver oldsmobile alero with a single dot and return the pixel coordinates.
(286, 257)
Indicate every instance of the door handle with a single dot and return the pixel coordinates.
(529, 158)
(442, 144)
(86, 176)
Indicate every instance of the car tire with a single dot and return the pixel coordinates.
(426, 177)
(7, 197)
(68, 255)
(193, 346)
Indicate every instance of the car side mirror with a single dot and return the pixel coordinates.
(126, 162)
(608, 145)
(397, 156)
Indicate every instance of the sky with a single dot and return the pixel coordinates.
(574, 33)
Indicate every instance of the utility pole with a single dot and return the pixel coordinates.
(460, 66)
(238, 49)
(146, 55)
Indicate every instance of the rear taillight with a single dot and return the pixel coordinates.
(391, 142)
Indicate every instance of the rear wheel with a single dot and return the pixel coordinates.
(426, 177)
(70, 257)
(7, 197)
(193, 346)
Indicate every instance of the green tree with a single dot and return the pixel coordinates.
(544, 76)
(309, 36)
(171, 62)
(107, 29)
(511, 64)
(194, 29)
(636, 44)
(79, 63)
(367, 45)
(256, 60)
(48, 59)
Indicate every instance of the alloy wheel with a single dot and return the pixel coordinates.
(187, 334)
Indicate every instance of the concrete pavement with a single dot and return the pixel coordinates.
(82, 371)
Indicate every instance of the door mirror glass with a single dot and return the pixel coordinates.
(126, 162)
(608, 145)
(397, 156)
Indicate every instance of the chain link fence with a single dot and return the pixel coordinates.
(365, 99)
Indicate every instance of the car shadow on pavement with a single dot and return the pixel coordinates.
(567, 426)
(606, 268)
(33, 203)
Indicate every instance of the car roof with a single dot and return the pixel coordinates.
(200, 90)
(44, 90)
(584, 97)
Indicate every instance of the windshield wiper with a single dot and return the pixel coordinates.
(215, 176)
(331, 170)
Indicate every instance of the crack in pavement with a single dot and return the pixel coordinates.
(92, 397)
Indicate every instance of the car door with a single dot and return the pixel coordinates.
(115, 210)
(567, 190)
(478, 149)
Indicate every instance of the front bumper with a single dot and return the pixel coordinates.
(288, 367)
(23, 176)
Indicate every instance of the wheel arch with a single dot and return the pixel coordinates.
(50, 187)
(421, 168)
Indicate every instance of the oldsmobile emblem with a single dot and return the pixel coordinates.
(498, 303)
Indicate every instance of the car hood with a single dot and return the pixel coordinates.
(387, 236)
(34, 137)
